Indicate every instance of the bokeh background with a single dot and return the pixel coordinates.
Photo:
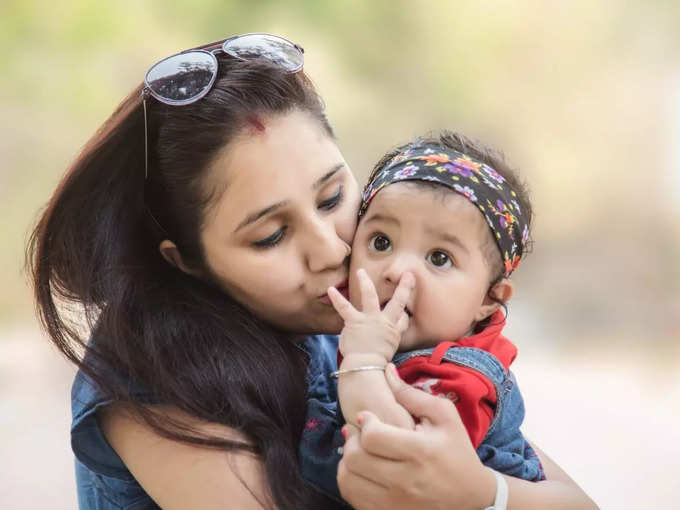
(583, 96)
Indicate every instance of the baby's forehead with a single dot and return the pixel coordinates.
(442, 207)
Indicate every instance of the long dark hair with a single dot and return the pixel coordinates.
(94, 254)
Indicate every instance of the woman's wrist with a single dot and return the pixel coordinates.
(485, 489)
(501, 497)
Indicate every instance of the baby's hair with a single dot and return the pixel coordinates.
(491, 157)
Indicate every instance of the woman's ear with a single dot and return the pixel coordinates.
(501, 291)
(171, 254)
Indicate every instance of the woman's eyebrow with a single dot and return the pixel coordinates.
(328, 175)
(253, 217)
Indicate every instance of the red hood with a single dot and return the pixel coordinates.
(491, 340)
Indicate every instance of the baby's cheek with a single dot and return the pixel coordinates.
(356, 262)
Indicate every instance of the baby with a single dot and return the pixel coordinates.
(443, 224)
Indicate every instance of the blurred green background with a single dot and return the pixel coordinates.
(583, 97)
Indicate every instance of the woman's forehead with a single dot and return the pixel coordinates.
(284, 162)
(291, 146)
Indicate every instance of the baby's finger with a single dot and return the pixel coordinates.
(401, 296)
(369, 297)
(402, 323)
(341, 305)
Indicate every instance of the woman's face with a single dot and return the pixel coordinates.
(278, 233)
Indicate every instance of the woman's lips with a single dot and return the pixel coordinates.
(341, 287)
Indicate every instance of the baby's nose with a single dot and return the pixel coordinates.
(398, 265)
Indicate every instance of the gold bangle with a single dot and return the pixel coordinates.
(338, 373)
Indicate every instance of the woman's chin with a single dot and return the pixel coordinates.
(323, 321)
(327, 322)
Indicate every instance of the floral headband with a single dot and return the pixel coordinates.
(476, 181)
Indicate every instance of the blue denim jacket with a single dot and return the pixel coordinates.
(503, 449)
(103, 481)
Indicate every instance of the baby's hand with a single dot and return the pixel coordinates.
(371, 330)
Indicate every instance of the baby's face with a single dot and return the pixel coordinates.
(437, 236)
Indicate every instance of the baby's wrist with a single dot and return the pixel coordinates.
(358, 359)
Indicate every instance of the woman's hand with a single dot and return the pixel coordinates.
(433, 467)
(369, 332)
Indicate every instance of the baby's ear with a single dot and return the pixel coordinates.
(502, 291)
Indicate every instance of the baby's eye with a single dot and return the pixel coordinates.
(439, 259)
(380, 242)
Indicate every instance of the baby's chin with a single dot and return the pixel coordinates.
(411, 340)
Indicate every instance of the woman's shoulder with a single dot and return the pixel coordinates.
(101, 476)
(87, 439)
(88, 398)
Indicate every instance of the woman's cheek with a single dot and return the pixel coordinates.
(346, 227)
(351, 213)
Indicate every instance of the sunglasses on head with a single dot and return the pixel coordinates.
(186, 77)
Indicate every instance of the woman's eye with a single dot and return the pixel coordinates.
(439, 259)
(272, 240)
(380, 242)
(332, 202)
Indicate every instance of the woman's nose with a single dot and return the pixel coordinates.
(325, 248)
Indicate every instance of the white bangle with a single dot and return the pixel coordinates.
(338, 373)
(501, 501)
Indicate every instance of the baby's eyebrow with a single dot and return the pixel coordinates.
(382, 217)
(446, 236)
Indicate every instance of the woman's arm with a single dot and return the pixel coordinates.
(557, 491)
(178, 475)
(435, 466)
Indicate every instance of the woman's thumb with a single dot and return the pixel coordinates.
(420, 404)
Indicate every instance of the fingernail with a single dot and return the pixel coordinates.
(360, 419)
(393, 369)
(344, 432)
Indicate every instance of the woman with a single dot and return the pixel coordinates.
(198, 230)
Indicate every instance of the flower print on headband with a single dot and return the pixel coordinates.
(478, 182)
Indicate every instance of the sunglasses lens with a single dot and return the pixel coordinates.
(182, 78)
(275, 49)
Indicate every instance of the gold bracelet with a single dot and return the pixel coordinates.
(338, 373)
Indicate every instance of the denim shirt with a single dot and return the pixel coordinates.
(103, 481)
(503, 449)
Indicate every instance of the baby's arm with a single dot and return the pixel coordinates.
(368, 391)
(369, 339)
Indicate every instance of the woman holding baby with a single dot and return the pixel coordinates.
(199, 231)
